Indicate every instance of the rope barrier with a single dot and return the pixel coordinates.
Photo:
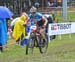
(9, 44)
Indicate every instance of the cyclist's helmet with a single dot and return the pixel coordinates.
(33, 9)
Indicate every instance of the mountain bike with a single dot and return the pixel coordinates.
(37, 40)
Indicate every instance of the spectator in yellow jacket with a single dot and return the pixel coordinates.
(19, 28)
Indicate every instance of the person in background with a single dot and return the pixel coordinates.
(3, 33)
(50, 18)
(37, 5)
(19, 28)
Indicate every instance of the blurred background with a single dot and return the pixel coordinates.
(45, 6)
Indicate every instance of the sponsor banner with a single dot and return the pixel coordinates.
(61, 28)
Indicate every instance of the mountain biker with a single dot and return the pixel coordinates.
(36, 18)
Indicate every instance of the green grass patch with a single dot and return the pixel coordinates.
(58, 51)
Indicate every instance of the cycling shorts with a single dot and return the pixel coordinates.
(40, 23)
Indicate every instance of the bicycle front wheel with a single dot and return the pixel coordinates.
(30, 44)
(43, 44)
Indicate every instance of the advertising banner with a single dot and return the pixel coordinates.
(61, 28)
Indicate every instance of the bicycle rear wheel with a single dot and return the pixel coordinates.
(30, 44)
(43, 44)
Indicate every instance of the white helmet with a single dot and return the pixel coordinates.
(33, 9)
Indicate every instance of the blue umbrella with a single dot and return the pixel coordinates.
(5, 12)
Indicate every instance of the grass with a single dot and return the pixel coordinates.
(58, 51)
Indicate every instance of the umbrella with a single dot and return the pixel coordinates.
(5, 12)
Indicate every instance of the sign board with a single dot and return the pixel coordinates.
(61, 28)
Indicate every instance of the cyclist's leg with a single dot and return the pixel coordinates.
(42, 32)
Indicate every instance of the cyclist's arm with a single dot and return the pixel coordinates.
(46, 21)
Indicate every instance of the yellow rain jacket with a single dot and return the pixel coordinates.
(19, 28)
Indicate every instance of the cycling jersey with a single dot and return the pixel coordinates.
(37, 17)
